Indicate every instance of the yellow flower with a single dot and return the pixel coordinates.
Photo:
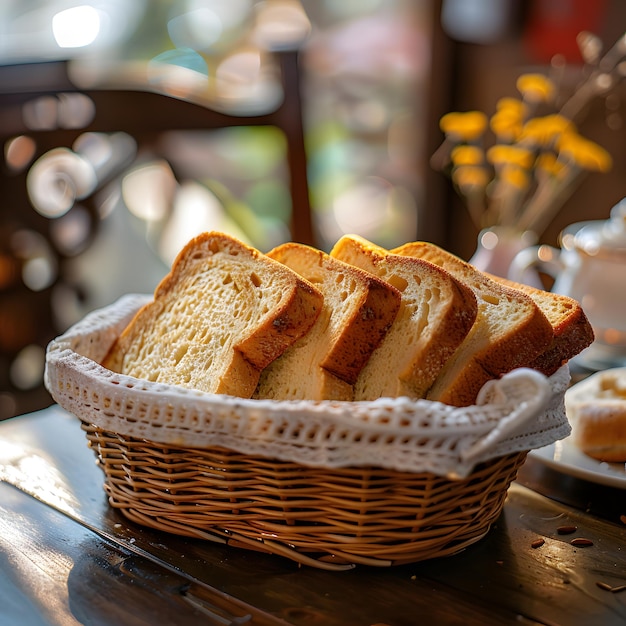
(512, 106)
(466, 155)
(507, 121)
(548, 162)
(507, 126)
(466, 126)
(470, 177)
(515, 176)
(544, 130)
(522, 176)
(502, 154)
(585, 153)
(535, 87)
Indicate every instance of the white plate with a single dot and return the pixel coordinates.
(565, 457)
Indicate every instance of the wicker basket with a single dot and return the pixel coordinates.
(333, 511)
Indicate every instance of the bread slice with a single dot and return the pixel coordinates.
(358, 311)
(572, 332)
(223, 313)
(435, 315)
(510, 330)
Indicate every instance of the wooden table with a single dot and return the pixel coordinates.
(67, 558)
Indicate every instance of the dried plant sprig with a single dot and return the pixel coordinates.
(537, 161)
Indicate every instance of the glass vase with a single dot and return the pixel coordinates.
(496, 248)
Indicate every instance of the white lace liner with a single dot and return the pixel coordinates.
(521, 411)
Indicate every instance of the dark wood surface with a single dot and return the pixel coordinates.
(66, 557)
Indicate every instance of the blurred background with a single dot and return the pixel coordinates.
(128, 126)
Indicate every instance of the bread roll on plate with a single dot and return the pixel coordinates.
(596, 408)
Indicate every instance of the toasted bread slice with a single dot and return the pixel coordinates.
(223, 313)
(510, 330)
(358, 311)
(436, 313)
(572, 332)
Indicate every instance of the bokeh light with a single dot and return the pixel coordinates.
(57, 179)
(148, 190)
(19, 152)
(27, 368)
(39, 265)
(76, 27)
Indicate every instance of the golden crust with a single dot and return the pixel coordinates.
(358, 311)
(572, 332)
(375, 309)
(510, 331)
(436, 314)
(222, 314)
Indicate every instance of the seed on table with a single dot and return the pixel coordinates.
(581, 542)
(566, 530)
(604, 586)
(618, 589)
(537, 543)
